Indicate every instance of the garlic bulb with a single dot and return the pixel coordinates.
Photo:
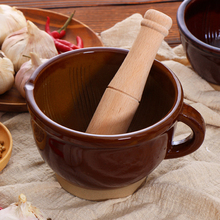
(26, 40)
(6, 73)
(26, 71)
(11, 20)
(21, 210)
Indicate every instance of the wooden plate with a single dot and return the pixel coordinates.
(12, 101)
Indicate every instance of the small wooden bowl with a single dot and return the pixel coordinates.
(5, 136)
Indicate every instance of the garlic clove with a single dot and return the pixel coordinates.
(29, 39)
(44, 44)
(16, 41)
(11, 20)
(21, 210)
(26, 71)
(6, 73)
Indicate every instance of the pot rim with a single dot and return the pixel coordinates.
(52, 126)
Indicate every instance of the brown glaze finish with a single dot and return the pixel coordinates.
(199, 22)
(62, 96)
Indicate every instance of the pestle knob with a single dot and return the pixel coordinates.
(123, 94)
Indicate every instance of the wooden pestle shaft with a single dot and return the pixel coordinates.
(123, 94)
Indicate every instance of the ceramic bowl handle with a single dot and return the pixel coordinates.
(194, 120)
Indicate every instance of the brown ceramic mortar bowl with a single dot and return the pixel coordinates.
(199, 22)
(62, 96)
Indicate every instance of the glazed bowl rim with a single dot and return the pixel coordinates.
(54, 126)
(180, 16)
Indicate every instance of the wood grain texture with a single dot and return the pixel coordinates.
(102, 18)
(50, 4)
(103, 14)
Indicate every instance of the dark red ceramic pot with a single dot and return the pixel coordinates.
(62, 96)
(199, 22)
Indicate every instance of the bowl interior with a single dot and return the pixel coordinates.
(69, 89)
(202, 18)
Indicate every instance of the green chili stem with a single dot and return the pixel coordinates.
(66, 23)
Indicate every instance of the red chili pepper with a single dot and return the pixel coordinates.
(62, 31)
(67, 43)
(47, 26)
(79, 42)
(55, 34)
(61, 47)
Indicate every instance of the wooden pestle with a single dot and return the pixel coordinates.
(123, 94)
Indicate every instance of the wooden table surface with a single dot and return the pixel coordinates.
(102, 14)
